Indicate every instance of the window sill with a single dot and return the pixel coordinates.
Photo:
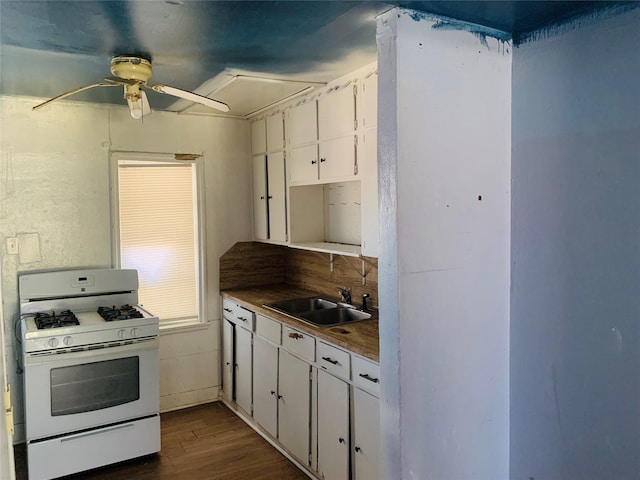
(180, 327)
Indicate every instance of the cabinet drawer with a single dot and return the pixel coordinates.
(334, 360)
(227, 310)
(269, 329)
(299, 343)
(366, 375)
(244, 317)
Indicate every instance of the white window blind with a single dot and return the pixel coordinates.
(159, 235)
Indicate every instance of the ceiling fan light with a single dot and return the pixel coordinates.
(135, 108)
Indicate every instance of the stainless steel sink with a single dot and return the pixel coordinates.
(319, 311)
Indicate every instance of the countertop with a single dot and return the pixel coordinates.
(358, 337)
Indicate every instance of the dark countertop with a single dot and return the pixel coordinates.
(358, 337)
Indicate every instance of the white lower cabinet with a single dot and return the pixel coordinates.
(243, 368)
(366, 441)
(227, 359)
(265, 385)
(294, 400)
(333, 427)
(310, 396)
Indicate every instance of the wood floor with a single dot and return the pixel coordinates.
(207, 442)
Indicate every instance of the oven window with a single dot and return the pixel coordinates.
(94, 386)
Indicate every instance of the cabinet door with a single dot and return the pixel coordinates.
(260, 226)
(258, 137)
(243, 368)
(302, 124)
(333, 427)
(275, 132)
(303, 164)
(227, 360)
(265, 385)
(366, 444)
(277, 197)
(368, 106)
(338, 158)
(294, 405)
(336, 113)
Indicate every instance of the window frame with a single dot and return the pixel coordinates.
(201, 255)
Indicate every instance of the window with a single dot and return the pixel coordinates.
(158, 232)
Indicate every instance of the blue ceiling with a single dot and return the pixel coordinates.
(48, 47)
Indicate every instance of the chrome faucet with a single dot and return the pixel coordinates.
(345, 295)
(364, 301)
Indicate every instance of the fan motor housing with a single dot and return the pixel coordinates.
(131, 68)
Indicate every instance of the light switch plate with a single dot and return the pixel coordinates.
(12, 245)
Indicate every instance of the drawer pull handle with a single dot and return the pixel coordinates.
(322, 160)
(279, 397)
(295, 336)
(242, 318)
(330, 360)
(358, 449)
(228, 310)
(272, 392)
(341, 440)
(367, 377)
(313, 162)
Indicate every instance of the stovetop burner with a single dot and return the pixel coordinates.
(51, 320)
(125, 312)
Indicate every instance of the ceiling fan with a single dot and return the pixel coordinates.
(133, 73)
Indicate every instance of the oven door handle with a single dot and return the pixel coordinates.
(80, 436)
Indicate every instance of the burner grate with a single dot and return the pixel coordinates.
(51, 320)
(125, 312)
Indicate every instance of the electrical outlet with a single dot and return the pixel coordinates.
(12, 246)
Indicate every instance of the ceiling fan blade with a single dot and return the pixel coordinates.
(194, 97)
(121, 81)
(73, 92)
(146, 108)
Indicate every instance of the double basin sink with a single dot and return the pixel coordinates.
(319, 311)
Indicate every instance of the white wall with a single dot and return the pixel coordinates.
(575, 307)
(443, 153)
(54, 180)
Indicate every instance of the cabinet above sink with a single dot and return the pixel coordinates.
(322, 146)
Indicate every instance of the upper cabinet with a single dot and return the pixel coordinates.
(302, 123)
(259, 136)
(337, 112)
(326, 143)
(275, 132)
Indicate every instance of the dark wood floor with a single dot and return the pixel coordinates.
(207, 442)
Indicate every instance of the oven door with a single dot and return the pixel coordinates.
(70, 392)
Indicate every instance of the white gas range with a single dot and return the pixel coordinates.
(90, 358)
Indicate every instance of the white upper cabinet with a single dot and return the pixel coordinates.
(276, 197)
(303, 164)
(275, 132)
(258, 136)
(338, 158)
(260, 217)
(337, 112)
(302, 124)
(368, 105)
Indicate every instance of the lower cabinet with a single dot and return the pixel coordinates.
(294, 401)
(315, 400)
(366, 441)
(227, 360)
(333, 427)
(265, 385)
(243, 368)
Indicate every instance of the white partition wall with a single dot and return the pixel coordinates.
(444, 169)
(575, 306)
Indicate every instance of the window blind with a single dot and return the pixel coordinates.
(159, 237)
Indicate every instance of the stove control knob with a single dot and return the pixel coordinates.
(53, 342)
(120, 333)
(67, 340)
(134, 332)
